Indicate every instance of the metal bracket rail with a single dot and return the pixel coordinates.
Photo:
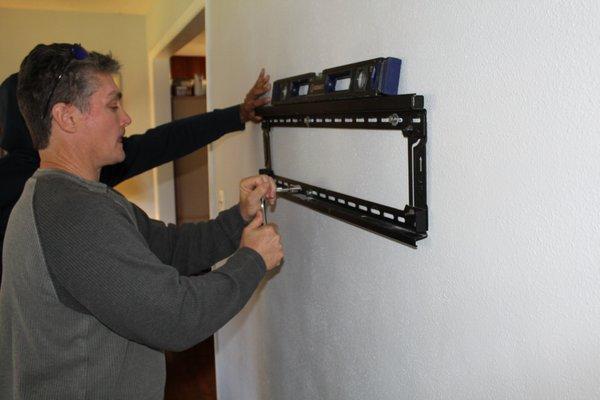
(404, 113)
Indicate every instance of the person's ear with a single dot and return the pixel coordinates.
(65, 115)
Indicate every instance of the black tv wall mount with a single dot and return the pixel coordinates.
(404, 113)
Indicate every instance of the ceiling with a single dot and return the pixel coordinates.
(189, 47)
(140, 7)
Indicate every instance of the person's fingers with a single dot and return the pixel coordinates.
(249, 106)
(272, 191)
(266, 87)
(258, 193)
(251, 182)
(257, 221)
(261, 75)
(275, 229)
(258, 91)
(261, 101)
(264, 77)
(260, 80)
(264, 82)
(261, 83)
(259, 86)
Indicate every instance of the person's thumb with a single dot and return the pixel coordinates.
(257, 221)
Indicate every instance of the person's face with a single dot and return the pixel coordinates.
(104, 123)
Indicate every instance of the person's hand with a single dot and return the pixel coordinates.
(252, 191)
(253, 98)
(264, 239)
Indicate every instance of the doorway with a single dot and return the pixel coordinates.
(191, 373)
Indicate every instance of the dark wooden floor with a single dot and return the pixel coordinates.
(191, 373)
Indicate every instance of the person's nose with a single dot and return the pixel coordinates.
(125, 119)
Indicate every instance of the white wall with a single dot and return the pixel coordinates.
(502, 301)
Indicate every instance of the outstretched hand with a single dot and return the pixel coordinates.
(253, 98)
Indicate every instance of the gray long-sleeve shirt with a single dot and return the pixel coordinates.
(94, 291)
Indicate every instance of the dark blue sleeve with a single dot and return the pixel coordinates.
(15, 169)
(170, 141)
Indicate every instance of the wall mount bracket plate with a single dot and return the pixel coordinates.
(403, 113)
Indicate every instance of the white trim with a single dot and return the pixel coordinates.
(161, 203)
(193, 9)
(212, 200)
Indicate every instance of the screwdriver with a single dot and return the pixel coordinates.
(289, 189)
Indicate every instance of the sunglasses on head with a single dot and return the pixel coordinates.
(77, 53)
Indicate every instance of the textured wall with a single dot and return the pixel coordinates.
(502, 300)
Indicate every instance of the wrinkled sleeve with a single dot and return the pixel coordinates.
(194, 247)
(100, 263)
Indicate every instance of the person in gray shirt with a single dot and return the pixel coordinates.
(94, 291)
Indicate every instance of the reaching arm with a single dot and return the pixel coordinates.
(176, 139)
(170, 141)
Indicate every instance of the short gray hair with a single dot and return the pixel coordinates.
(40, 71)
